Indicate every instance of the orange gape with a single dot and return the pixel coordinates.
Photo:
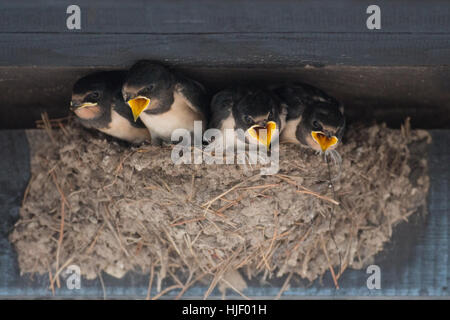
(138, 105)
(263, 134)
(323, 140)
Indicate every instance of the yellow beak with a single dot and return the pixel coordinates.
(87, 104)
(323, 140)
(138, 105)
(87, 110)
(263, 134)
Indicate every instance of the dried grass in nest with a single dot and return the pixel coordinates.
(106, 206)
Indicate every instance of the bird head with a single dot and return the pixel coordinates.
(322, 126)
(257, 113)
(145, 82)
(89, 96)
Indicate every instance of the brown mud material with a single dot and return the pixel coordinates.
(130, 208)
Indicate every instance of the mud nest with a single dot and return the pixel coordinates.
(107, 206)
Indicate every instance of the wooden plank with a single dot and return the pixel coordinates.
(244, 50)
(231, 33)
(212, 16)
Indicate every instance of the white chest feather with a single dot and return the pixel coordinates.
(232, 137)
(228, 123)
(180, 115)
(121, 128)
(288, 134)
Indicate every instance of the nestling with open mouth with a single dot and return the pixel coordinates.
(258, 112)
(164, 100)
(314, 118)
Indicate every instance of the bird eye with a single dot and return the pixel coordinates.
(270, 114)
(94, 95)
(248, 119)
(316, 125)
(147, 90)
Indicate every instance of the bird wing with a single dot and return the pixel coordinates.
(298, 96)
(195, 93)
(221, 106)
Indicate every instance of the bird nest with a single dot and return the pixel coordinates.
(107, 206)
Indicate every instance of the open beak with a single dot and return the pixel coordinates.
(324, 141)
(263, 134)
(138, 105)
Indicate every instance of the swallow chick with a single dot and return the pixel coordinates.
(98, 103)
(164, 100)
(258, 112)
(314, 119)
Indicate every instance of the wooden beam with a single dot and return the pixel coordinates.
(212, 16)
(232, 50)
